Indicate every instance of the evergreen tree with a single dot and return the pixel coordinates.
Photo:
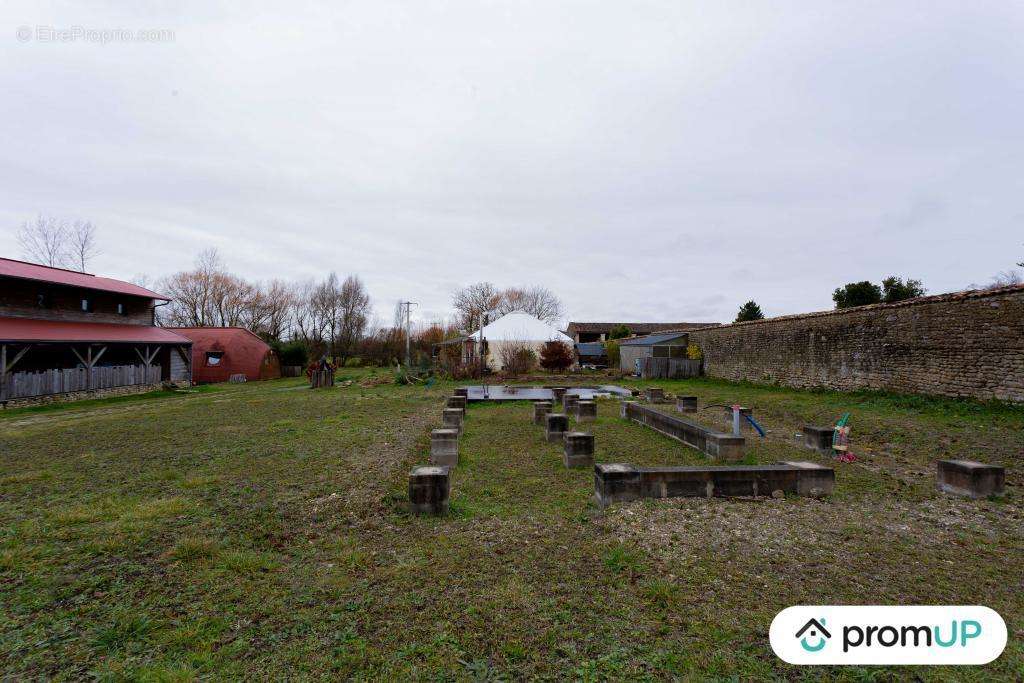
(749, 311)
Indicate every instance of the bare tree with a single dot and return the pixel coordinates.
(44, 241)
(538, 301)
(473, 301)
(354, 312)
(82, 246)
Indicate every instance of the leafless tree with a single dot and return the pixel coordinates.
(82, 246)
(473, 301)
(538, 301)
(354, 312)
(53, 242)
(44, 241)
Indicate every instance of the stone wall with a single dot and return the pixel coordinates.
(967, 344)
(81, 395)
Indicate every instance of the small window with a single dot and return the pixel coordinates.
(213, 358)
(121, 310)
(87, 305)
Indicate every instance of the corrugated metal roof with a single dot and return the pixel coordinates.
(590, 349)
(71, 278)
(651, 340)
(32, 330)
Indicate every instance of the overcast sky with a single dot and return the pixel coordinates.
(644, 160)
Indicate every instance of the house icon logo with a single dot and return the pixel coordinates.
(816, 632)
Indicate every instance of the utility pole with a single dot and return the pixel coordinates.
(408, 332)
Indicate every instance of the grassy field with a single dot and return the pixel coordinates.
(258, 531)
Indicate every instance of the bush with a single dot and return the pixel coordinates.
(611, 349)
(517, 358)
(354, 362)
(693, 352)
(556, 356)
(292, 353)
(618, 332)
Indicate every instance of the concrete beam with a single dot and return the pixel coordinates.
(619, 482)
(716, 444)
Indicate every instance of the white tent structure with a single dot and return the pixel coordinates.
(516, 328)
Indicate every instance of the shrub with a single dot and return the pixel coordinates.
(611, 349)
(517, 357)
(292, 353)
(354, 362)
(556, 356)
(693, 352)
(618, 332)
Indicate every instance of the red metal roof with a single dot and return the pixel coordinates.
(242, 353)
(34, 271)
(32, 330)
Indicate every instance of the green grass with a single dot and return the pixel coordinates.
(259, 531)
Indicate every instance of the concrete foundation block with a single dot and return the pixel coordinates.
(686, 404)
(461, 391)
(579, 449)
(624, 408)
(429, 488)
(569, 402)
(617, 482)
(586, 411)
(456, 403)
(540, 412)
(818, 438)
(970, 478)
(451, 418)
(444, 447)
(555, 427)
(557, 393)
(654, 395)
(724, 447)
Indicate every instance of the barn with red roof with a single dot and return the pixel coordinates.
(67, 332)
(219, 353)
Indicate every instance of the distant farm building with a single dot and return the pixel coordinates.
(591, 353)
(64, 332)
(218, 353)
(634, 350)
(598, 332)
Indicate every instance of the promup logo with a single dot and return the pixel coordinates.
(817, 630)
(888, 635)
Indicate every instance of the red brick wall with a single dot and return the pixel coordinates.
(966, 344)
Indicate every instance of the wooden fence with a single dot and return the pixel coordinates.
(669, 368)
(59, 381)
